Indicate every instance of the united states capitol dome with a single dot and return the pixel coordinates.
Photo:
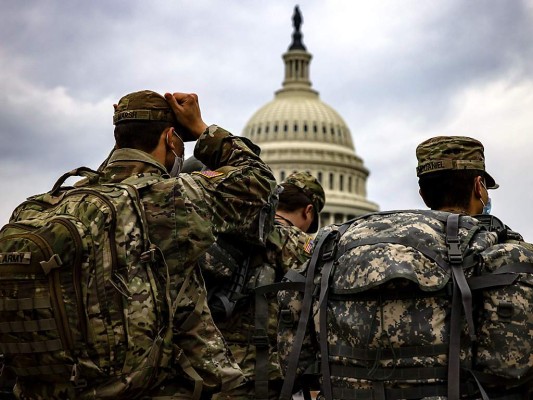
(298, 132)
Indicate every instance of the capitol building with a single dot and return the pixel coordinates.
(298, 132)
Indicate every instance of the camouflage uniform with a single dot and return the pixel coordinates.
(362, 332)
(184, 214)
(372, 326)
(287, 247)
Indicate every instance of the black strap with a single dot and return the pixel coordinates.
(323, 312)
(378, 389)
(406, 393)
(260, 337)
(31, 347)
(345, 351)
(86, 172)
(461, 296)
(504, 276)
(491, 280)
(455, 331)
(45, 324)
(398, 374)
(50, 369)
(290, 376)
(399, 293)
(323, 320)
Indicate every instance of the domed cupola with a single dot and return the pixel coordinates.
(298, 132)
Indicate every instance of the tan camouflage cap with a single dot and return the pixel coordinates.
(452, 153)
(146, 105)
(312, 188)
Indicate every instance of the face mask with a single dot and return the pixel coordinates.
(178, 161)
(486, 207)
(177, 166)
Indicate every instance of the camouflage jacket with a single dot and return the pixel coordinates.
(286, 247)
(351, 326)
(184, 214)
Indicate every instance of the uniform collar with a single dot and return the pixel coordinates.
(127, 162)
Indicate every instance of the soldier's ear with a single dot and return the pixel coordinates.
(168, 132)
(309, 211)
(479, 187)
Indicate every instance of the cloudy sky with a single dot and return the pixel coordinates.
(398, 71)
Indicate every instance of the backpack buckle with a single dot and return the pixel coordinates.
(330, 246)
(260, 339)
(455, 256)
(285, 318)
(77, 382)
(148, 256)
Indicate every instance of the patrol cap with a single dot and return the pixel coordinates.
(312, 188)
(443, 153)
(146, 105)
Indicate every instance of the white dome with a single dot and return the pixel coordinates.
(298, 116)
(298, 132)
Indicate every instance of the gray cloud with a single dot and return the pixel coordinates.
(398, 72)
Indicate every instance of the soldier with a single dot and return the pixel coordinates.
(382, 319)
(184, 213)
(288, 246)
(452, 175)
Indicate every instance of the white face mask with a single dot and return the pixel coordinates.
(178, 161)
(177, 166)
(486, 207)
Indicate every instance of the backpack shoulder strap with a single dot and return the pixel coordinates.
(323, 252)
(322, 307)
(295, 282)
(461, 299)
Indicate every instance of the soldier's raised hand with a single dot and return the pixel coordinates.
(187, 111)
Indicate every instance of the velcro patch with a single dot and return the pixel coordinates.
(308, 246)
(208, 173)
(15, 258)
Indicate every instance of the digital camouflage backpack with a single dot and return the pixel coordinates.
(83, 303)
(416, 304)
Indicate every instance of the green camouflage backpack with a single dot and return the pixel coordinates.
(417, 304)
(83, 301)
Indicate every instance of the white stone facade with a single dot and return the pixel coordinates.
(298, 132)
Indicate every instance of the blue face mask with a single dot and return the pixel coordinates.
(486, 207)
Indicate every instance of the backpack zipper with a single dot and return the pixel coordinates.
(76, 274)
(102, 295)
